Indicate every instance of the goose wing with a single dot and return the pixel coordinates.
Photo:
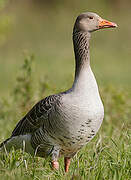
(35, 118)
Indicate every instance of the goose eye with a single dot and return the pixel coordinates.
(90, 17)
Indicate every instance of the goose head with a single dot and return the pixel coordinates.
(89, 22)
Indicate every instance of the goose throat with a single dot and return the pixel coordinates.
(81, 50)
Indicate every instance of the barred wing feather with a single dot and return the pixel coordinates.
(34, 118)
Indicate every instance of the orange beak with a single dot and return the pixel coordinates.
(106, 24)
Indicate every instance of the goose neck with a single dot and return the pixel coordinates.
(81, 50)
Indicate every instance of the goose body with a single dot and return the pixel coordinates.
(62, 124)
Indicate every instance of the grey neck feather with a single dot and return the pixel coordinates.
(81, 50)
(83, 74)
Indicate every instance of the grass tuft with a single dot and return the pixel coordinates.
(106, 157)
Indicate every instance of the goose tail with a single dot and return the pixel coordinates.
(4, 145)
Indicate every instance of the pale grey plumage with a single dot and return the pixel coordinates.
(62, 124)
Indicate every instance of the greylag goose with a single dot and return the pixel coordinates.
(61, 124)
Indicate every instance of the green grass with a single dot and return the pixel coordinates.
(107, 156)
(47, 33)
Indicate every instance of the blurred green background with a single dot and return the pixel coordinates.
(44, 28)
